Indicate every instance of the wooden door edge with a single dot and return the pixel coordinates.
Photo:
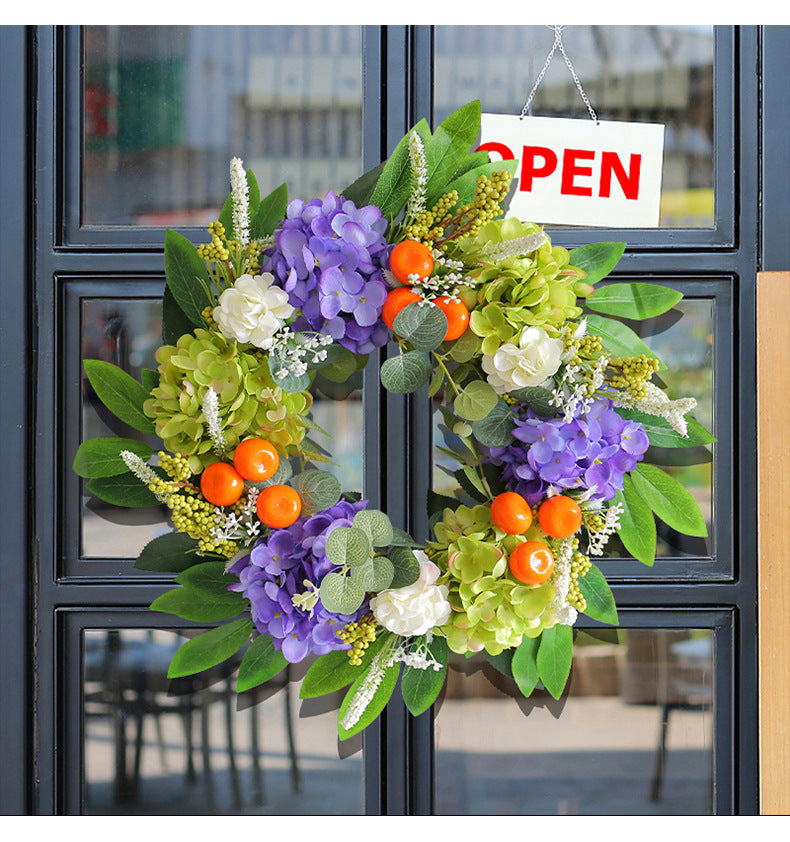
(773, 567)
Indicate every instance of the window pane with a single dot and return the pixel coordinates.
(652, 74)
(127, 332)
(167, 107)
(634, 735)
(192, 746)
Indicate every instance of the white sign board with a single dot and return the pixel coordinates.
(580, 172)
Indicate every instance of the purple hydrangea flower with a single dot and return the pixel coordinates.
(328, 256)
(279, 567)
(592, 452)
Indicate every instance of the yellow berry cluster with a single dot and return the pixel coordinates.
(580, 565)
(588, 347)
(176, 466)
(427, 225)
(635, 372)
(198, 519)
(359, 636)
(215, 251)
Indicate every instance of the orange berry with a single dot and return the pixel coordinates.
(560, 516)
(457, 316)
(256, 459)
(278, 506)
(511, 513)
(531, 562)
(410, 257)
(397, 299)
(221, 484)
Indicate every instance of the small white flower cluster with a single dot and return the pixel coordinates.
(657, 403)
(230, 526)
(419, 175)
(514, 247)
(294, 351)
(561, 580)
(599, 540)
(240, 202)
(211, 415)
(441, 283)
(570, 394)
(420, 659)
(144, 472)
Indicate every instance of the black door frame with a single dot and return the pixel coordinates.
(399, 762)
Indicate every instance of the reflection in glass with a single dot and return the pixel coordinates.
(653, 74)
(684, 340)
(633, 736)
(127, 332)
(192, 746)
(167, 107)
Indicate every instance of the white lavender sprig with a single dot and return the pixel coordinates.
(657, 403)
(211, 415)
(240, 202)
(419, 176)
(144, 472)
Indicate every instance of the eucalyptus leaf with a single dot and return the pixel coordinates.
(406, 567)
(597, 259)
(538, 399)
(524, 665)
(340, 364)
(466, 347)
(421, 324)
(187, 277)
(400, 538)
(421, 687)
(341, 594)
(376, 525)
(120, 393)
(102, 457)
(475, 400)
(260, 663)
(633, 301)
(406, 373)
(281, 476)
(596, 591)
(555, 653)
(671, 502)
(318, 490)
(376, 574)
(347, 545)
(637, 528)
(210, 648)
(496, 429)
(618, 338)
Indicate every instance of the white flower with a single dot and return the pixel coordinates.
(253, 310)
(418, 607)
(536, 358)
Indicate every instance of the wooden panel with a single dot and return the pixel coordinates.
(773, 406)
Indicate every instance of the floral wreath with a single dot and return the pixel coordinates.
(547, 403)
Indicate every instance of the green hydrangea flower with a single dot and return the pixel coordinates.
(490, 609)
(518, 290)
(250, 403)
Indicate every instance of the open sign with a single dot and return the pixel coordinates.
(580, 172)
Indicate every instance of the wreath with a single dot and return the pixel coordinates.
(548, 408)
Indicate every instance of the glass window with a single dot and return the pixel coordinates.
(191, 746)
(167, 107)
(127, 332)
(632, 736)
(653, 74)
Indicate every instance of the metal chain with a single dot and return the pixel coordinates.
(558, 44)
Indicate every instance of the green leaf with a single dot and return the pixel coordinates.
(360, 191)
(348, 545)
(421, 688)
(600, 602)
(661, 433)
(422, 324)
(448, 146)
(503, 662)
(524, 665)
(619, 338)
(669, 500)
(374, 707)
(333, 671)
(341, 594)
(407, 567)
(187, 277)
(318, 490)
(555, 653)
(496, 429)
(120, 393)
(340, 364)
(597, 259)
(537, 399)
(198, 606)
(209, 579)
(270, 212)
(394, 185)
(102, 457)
(406, 373)
(175, 323)
(260, 663)
(124, 490)
(169, 553)
(633, 301)
(475, 400)
(376, 525)
(149, 378)
(637, 528)
(210, 648)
